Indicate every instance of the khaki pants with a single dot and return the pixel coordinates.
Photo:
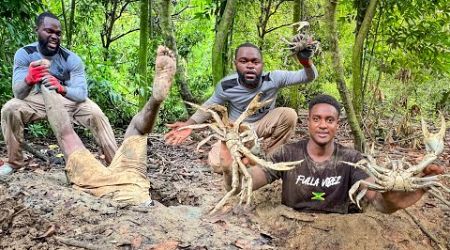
(16, 113)
(125, 180)
(275, 128)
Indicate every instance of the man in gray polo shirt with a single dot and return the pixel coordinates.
(275, 125)
(66, 76)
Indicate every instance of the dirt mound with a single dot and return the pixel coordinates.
(38, 210)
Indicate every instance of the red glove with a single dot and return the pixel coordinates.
(52, 83)
(35, 74)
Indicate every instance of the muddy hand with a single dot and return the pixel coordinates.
(165, 70)
(177, 136)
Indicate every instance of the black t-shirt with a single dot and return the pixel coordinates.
(318, 187)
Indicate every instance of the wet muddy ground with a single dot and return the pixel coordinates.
(39, 210)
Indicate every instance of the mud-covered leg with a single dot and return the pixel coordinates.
(165, 68)
(60, 122)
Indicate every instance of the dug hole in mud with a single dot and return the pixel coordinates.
(39, 210)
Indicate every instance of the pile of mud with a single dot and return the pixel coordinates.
(38, 210)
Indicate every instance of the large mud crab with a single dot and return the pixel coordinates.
(303, 40)
(241, 140)
(403, 176)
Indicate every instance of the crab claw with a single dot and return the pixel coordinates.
(283, 166)
(434, 143)
(301, 25)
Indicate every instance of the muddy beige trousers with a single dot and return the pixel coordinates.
(275, 128)
(16, 113)
(125, 180)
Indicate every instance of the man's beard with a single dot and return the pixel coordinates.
(250, 83)
(43, 48)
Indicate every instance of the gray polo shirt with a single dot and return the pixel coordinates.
(229, 91)
(66, 66)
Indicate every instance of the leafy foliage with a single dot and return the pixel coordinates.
(410, 36)
(17, 22)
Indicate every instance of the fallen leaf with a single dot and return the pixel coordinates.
(243, 244)
(48, 233)
(168, 245)
(136, 242)
(53, 147)
(59, 155)
(33, 165)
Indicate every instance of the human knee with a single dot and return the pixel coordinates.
(97, 117)
(289, 116)
(11, 109)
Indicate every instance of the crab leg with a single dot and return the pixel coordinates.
(223, 111)
(205, 125)
(234, 187)
(254, 105)
(281, 166)
(356, 187)
(248, 182)
(436, 193)
(207, 139)
(214, 115)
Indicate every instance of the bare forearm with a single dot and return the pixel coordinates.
(21, 89)
(310, 72)
(389, 202)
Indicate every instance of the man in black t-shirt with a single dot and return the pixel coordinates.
(322, 181)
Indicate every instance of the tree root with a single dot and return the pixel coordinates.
(34, 152)
(424, 230)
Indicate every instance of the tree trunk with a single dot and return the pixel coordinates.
(294, 91)
(338, 67)
(143, 52)
(220, 41)
(166, 24)
(71, 24)
(357, 57)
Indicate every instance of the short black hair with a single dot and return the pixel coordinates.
(318, 99)
(247, 45)
(42, 16)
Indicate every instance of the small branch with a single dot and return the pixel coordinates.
(277, 27)
(35, 152)
(179, 12)
(123, 9)
(276, 8)
(312, 17)
(122, 35)
(424, 230)
(80, 244)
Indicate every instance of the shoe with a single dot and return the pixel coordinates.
(6, 169)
